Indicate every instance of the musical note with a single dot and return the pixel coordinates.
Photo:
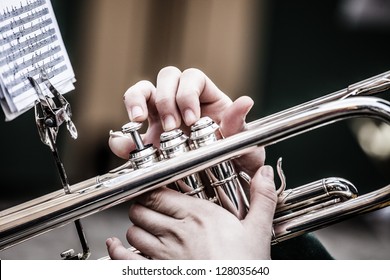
(30, 41)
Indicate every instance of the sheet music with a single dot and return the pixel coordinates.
(30, 41)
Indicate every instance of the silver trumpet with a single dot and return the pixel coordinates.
(182, 162)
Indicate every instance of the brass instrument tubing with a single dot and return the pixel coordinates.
(21, 225)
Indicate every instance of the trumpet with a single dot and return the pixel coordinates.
(180, 163)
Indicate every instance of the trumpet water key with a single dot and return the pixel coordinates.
(183, 161)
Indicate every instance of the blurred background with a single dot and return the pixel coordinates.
(281, 53)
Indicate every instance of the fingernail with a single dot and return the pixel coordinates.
(108, 242)
(189, 117)
(136, 111)
(169, 123)
(267, 171)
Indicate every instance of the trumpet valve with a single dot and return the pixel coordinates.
(143, 155)
(223, 177)
(173, 144)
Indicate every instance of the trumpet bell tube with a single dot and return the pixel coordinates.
(335, 199)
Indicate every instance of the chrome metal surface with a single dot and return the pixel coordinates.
(40, 215)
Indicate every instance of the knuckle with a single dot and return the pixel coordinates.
(133, 210)
(188, 94)
(168, 70)
(162, 100)
(139, 86)
(153, 199)
(270, 196)
(141, 92)
(193, 71)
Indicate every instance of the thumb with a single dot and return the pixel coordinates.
(120, 145)
(262, 203)
(233, 122)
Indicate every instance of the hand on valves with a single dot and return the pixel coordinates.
(170, 225)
